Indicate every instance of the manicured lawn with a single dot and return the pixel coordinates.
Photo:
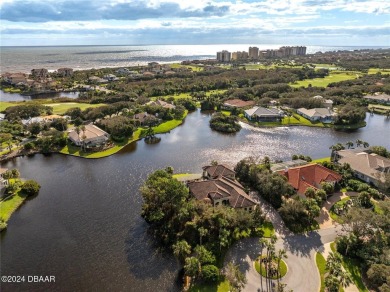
(294, 120)
(320, 160)
(321, 265)
(377, 108)
(216, 91)
(193, 67)
(169, 125)
(353, 267)
(376, 70)
(58, 108)
(268, 229)
(282, 269)
(9, 205)
(221, 286)
(5, 104)
(61, 108)
(332, 214)
(334, 76)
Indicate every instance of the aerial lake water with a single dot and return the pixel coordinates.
(5, 96)
(85, 228)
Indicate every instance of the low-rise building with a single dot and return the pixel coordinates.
(263, 114)
(92, 136)
(161, 103)
(15, 78)
(96, 79)
(379, 98)
(311, 175)
(367, 166)
(237, 103)
(323, 115)
(110, 77)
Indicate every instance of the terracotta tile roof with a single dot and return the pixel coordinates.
(302, 177)
(215, 171)
(219, 188)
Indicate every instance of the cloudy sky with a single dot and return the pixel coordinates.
(128, 22)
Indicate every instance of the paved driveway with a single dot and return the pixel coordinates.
(302, 272)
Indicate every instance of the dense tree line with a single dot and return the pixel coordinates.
(226, 124)
(26, 111)
(367, 240)
(271, 186)
(119, 127)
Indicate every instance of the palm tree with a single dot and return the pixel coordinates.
(334, 148)
(262, 242)
(349, 144)
(281, 254)
(366, 145)
(359, 142)
(84, 136)
(387, 113)
(345, 279)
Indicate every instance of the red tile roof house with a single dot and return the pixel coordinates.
(221, 188)
(311, 175)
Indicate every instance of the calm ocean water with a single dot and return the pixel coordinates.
(23, 59)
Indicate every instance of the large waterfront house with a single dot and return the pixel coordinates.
(379, 98)
(141, 118)
(263, 114)
(219, 187)
(323, 115)
(366, 166)
(161, 103)
(237, 103)
(311, 175)
(92, 136)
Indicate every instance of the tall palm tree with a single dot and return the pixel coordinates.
(345, 279)
(359, 142)
(262, 242)
(365, 144)
(84, 136)
(349, 144)
(280, 255)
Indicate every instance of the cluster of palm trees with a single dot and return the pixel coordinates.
(349, 144)
(336, 275)
(268, 262)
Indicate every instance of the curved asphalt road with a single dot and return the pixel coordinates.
(302, 274)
